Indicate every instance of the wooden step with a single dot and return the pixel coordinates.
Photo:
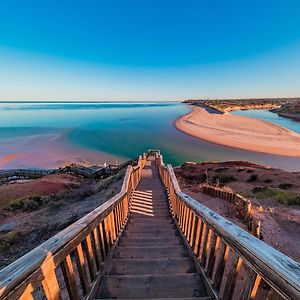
(154, 220)
(150, 190)
(170, 241)
(155, 210)
(151, 197)
(155, 195)
(156, 203)
(135, 214)
(162, 206)
(153, 227)
(150, 252)
(157, 221)
(150, 201)
(152, 286)
(149, 234)
(185, 298)
(150, 260)
(141, 266)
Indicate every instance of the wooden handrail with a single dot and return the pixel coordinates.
(218, 244)
(77, 256)
(6, 175)
(83, 246)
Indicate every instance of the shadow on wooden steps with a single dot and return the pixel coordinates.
(150, 261)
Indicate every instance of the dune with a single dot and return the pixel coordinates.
(239, 132)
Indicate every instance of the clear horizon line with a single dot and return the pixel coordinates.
(117, 101)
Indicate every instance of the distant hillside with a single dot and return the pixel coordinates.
(290, 110)
(227, 105)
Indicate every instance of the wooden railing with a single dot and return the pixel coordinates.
(88, 172)
(8, 175)
(243, 206)
(70, 264)
(234, 264)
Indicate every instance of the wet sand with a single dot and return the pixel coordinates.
(48, 151)
(239, 132)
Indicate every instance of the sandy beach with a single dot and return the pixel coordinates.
(239, 132)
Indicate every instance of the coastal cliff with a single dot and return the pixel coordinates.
(282, 106)
(289, 110)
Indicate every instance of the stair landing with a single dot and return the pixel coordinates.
(150, 261)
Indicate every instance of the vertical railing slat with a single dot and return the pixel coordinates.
(96, 236)
(248, 289)
(88, 249)
(103, 240)
(230, 279)
(112, 225)
(27, 293)
(191, 237)
(69, 277)
(211, 256)
(50, 282)
(197, 236)
(220, 263)
(82, 268)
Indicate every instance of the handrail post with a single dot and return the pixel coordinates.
(216, 243)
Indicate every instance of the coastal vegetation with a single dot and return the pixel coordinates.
(289, 110)
(31, 211)
(279, 105)
(283, 197)
(274, 194)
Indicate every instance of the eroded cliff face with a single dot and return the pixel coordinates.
(290, 110)
(227, 105)
(228, 108)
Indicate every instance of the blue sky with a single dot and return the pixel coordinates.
(148, 50)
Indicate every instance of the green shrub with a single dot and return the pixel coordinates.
(32, 203)
(218, 170)
(26, 204)
(258, 189)
(283, 197)
(268, 180)
(225, 178)
(252, 178)
(8, 239)
(285, 186)
(197, 177)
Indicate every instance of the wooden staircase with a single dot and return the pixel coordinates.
(151, 260)
(144, 243)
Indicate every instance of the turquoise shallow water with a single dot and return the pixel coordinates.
(123, 130)
(266, 115)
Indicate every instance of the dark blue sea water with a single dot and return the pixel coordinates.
(123, 130)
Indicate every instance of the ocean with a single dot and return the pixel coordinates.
(101, 132)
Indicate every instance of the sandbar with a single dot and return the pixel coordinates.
(239, 132)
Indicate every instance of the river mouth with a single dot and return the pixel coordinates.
(266, 115)
(109, 132)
